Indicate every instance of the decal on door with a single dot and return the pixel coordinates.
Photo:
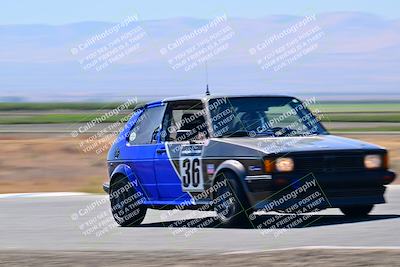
(190, 167)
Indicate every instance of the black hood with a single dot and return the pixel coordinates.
(259, 146)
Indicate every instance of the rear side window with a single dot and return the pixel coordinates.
(147, 126)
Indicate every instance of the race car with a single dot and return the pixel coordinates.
(237, 155)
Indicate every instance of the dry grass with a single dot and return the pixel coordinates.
(33, 163)
(43, 163)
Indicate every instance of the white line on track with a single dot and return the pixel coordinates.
(312, 248)
(44, 194)
(66, 194)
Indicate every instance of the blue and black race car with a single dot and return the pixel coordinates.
(237, 155)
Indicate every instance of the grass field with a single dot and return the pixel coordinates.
(362, 117)
(43, 113)
(357, 107)
(359, 112)
(367, 129)
(56, 118)
(10, 106)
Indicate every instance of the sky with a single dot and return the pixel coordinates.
(357, 52)
(64, 12)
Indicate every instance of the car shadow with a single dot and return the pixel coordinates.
(272, 221)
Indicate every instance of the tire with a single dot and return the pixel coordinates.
(126, 203)
(357, 211)
(230, 203)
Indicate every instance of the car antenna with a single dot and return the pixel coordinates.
(207, 90)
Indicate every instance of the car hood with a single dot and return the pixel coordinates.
(268, 145)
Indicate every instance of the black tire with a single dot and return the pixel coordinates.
(357, 211)
(230, 203)
(126, 203)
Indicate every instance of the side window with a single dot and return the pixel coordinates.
(146, 126)
(185, 120)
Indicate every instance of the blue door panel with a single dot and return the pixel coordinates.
(144, 170)
(140, 159)
(168, 181)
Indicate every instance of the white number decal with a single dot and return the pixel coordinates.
(192, 176)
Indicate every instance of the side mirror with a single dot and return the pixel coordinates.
(154, 134)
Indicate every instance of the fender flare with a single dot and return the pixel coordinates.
(234, 166)
(125, 170)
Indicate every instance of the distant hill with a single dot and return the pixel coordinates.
(357, 56)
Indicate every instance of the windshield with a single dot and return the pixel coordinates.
(262, 116)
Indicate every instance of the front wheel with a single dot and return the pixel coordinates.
(230, 203)
(126, 203)
(357, 211)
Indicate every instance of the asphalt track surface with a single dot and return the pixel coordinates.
(78, 223)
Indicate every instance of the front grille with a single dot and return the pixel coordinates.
(330, 162)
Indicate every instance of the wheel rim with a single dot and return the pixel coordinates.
(226, 207)
(118, 203)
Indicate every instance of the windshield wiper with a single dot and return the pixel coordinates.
(236, 134)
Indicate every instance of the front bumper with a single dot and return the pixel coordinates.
(338, 189)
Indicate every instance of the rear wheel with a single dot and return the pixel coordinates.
(230, 203)
(126, 203)
(357, 211)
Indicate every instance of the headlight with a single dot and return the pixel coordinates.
(284, 164)
(372, 161)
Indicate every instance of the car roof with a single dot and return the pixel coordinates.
(208, 97)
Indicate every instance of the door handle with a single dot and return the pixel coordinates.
(161, 150)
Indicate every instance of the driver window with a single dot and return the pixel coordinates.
(185, 121)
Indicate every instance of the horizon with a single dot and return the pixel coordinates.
(363, 49)
(76, 11)
(183, 17)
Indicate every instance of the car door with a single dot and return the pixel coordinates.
(178, 160)
(141, 146)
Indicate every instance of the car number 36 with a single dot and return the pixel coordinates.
(191, 174)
